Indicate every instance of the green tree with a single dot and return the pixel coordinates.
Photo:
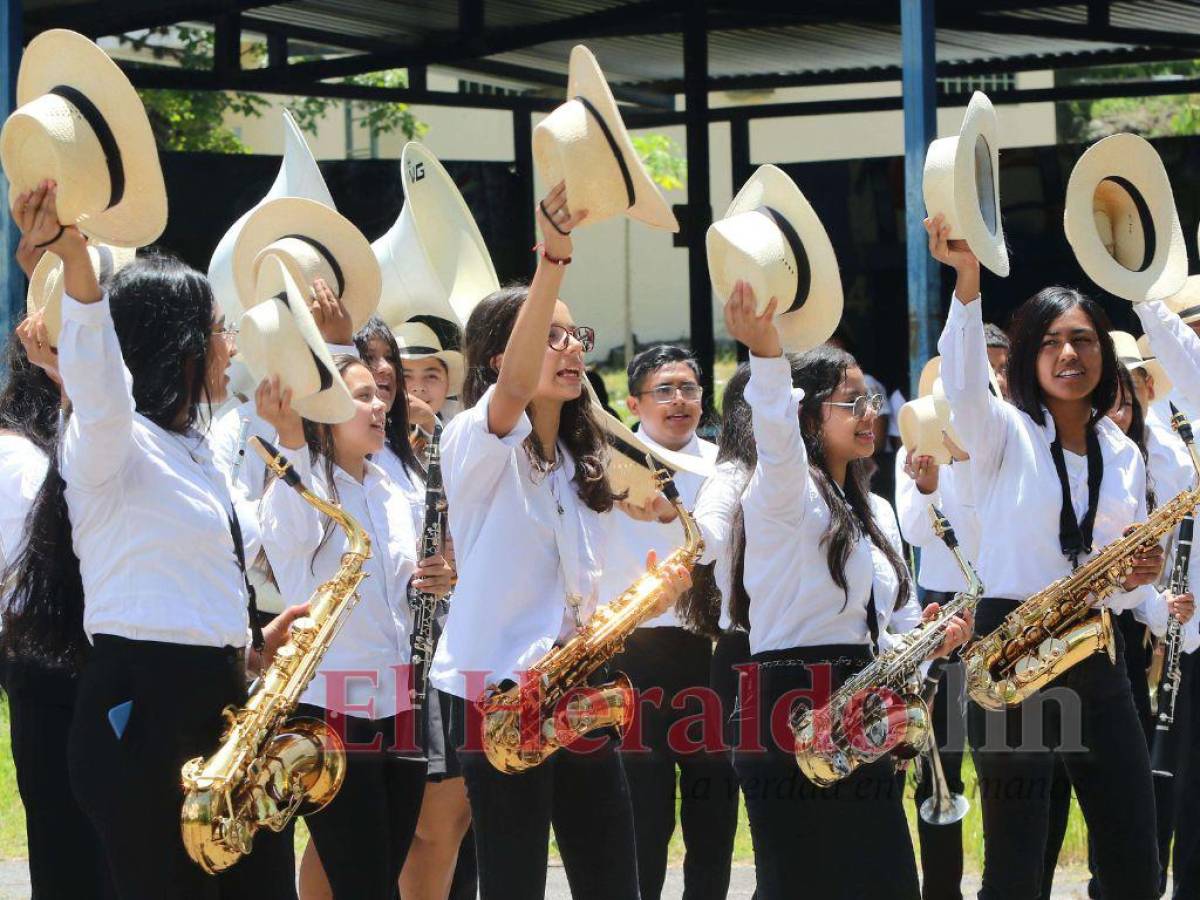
(195, 120)
(664, 160)
(1162, 116)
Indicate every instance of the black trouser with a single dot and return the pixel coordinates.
(65, 857)
(584, 795)
(1087, 719)
(941, 845)
(662, 663)
(363, 835)
(846, 842)
(1185, 863)
(129, 784)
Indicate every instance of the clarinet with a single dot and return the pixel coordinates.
(424, 606)
(1163, 751)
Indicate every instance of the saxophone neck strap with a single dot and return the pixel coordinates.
(239, 548)
(1075, 537)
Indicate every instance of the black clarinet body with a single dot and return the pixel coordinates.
(424, 606)
(1163, 752)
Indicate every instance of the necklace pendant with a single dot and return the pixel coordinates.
(575, 601)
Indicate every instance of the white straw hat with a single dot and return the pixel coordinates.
(585, 143)
(46, 282)
(434, 260)
(771, 237)
(1186, 301)
(313, 241)
(924, 427)
(1136, 354)
(932, 373)
(962, 182)
(81, 124)
(280, 337)
(417, 340)
(626, 464)
(1121, 222)
(299, 176)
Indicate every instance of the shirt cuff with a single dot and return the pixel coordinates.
(343, 350)
(770, 387)
(87, 314)
(964, 313)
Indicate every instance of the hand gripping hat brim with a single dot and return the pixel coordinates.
(313, 240)
(280, 337)
(1120, 220)
(772, 238)
(962, 182)
(585, 143)
(434, 259)
(81, 124)
(46, 283)
(923, 429)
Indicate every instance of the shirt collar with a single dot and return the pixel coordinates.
(692, 447)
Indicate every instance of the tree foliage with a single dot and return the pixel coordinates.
(664, 160)
(196, 120)
(1163, 116)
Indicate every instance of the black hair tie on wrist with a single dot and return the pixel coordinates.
(549, 218)
(45, 244)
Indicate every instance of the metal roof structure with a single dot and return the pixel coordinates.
(663, 58)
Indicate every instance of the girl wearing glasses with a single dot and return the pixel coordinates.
(817, 579)
(1053, 479)
(525, 481)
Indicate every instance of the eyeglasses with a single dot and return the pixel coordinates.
(859, 406)
(665, 393)
(230, 334)
(560, 337)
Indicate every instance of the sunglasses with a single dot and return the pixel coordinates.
(859, 405)
(560, 337)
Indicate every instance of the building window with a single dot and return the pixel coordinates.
(988, 83)
(478, 87)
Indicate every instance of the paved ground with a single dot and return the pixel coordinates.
(1068, 885)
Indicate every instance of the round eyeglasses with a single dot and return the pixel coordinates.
(560, 337)
(859, 405)
(665, 393)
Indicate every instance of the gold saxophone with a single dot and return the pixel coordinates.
(1058, 627)
(524, 725)
(859, 725)
(268, 768)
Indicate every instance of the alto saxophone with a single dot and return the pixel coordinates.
(859, 725)
(552, 706)
(268, 767)
(1058, 627)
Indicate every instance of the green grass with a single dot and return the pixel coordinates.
(1074, 852)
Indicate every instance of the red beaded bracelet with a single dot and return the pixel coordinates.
(540, 247)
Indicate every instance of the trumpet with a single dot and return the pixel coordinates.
(943, 806)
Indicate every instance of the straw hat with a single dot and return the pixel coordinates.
(924, 426)
(313, 241)
(1121, 222)
(1186, 301)
(771, 237)
(299, 176)
(433, 259)
(626, 465)
(417, 340)
(933, 373)
(1136, 354)
(81, 124)
(962, 182)
(585, 143)
(279, 336)
(46, 282)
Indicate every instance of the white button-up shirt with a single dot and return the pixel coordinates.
(1015, 484)
(374, 641)
(939, 570)
(630, 540)
(149, 510)
(716, 508)
(793, 600)
(509, 605)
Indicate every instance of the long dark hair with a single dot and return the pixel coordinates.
(1031, 321)
(162, 312)
(819, 372)
(396, 425)
(486, 337)
(30, 400)
(1137, 425)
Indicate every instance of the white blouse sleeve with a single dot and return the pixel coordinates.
(780, 479)
(473, 459)
(99, 433)
(978, 416)
(715, 508)
(1176, 346)
(289, 525)
(912, 509)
